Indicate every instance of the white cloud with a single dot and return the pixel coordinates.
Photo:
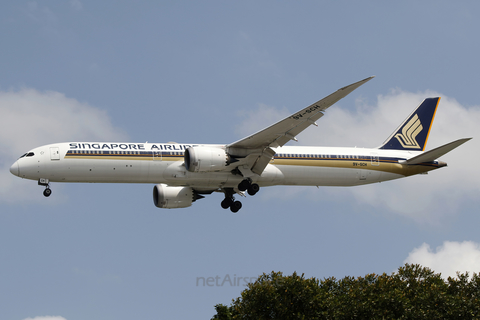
(31, 118)
(46, 318)
(449, 258)
(424, 198)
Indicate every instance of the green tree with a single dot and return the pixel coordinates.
(414, 292)
(275, 296)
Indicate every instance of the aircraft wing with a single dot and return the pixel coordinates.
(257, 147)
(285, 130)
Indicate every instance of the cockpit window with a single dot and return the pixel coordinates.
(23, 155)
(30, 154)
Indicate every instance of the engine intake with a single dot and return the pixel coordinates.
(173, 197)
(205, 159)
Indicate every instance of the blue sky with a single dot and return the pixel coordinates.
(214, 72)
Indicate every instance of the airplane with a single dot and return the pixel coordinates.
(184, 173)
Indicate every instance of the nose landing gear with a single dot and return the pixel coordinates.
(44, 182)
(47, 192)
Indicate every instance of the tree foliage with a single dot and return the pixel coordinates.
(413, 292)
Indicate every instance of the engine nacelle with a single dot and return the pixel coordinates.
(205, 159)
(173, 197)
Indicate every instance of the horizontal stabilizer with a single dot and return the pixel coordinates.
(436, 153)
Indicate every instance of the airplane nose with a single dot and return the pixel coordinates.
(14, 169)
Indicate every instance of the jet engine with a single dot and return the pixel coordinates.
(173, 197)
(204, 159)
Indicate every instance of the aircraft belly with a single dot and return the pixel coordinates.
(331, 176)
(176, 174)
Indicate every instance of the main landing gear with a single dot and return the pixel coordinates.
(252, 188)
(229, 201)
(44, 182)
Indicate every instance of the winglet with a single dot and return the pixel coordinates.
(413, 133)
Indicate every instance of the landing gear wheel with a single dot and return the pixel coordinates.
(236, 205)
(229, 201)
(253, 189)
(244, 185)
(226, 203)
(47, 192)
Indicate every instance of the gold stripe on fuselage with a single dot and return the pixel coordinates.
(384, 165)
(389, 165)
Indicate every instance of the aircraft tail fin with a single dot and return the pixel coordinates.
(413, 133)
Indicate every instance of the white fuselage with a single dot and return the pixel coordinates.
(164, 163)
